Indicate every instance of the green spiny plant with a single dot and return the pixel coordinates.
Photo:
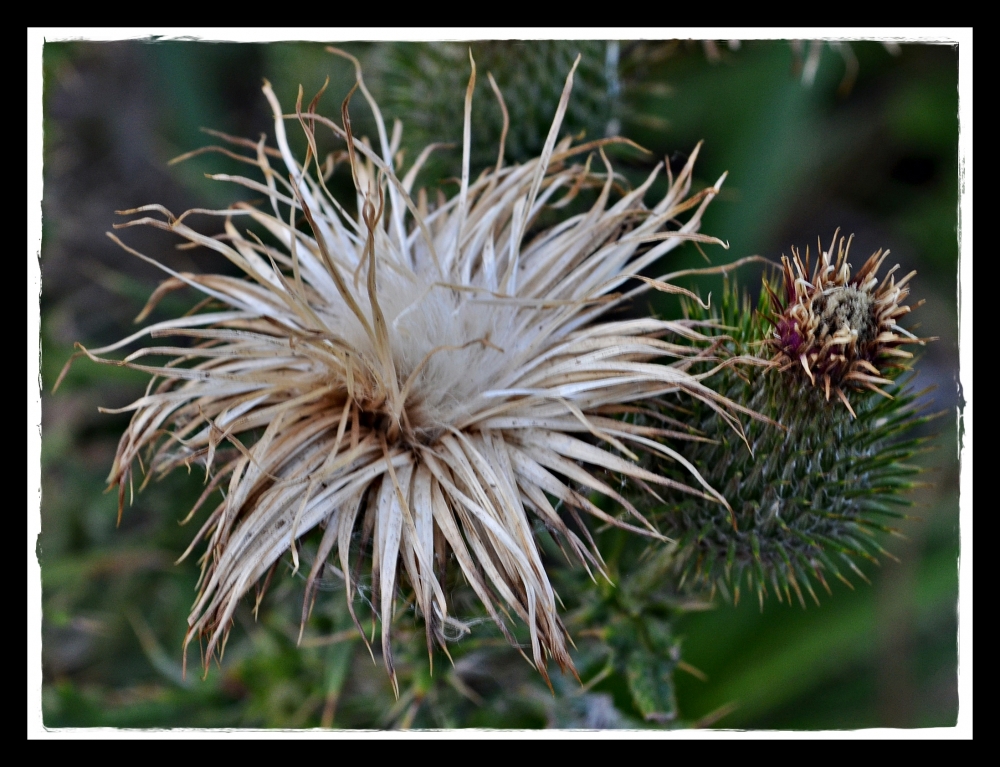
(636, 613)
(419, 82)
(814, 489)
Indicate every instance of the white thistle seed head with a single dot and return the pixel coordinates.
(424, 377)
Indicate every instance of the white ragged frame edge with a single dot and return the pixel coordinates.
(960, 36)
(964, 414)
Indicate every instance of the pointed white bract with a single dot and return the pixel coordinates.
(425, 382)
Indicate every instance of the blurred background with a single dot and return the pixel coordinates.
(814, 136)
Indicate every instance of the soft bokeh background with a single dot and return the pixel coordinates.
(874, 154)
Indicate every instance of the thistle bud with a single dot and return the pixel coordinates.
(842, 330)
(814, 489)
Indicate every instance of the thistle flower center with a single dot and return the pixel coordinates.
(846, 309)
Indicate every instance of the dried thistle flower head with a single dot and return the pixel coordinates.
(424, 382)
(844, 331)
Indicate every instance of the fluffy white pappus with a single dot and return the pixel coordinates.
(424, 381)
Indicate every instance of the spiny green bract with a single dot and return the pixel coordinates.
(810, 499)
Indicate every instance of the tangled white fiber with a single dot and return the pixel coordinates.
(419, 377)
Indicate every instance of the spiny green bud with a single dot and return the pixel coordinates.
(813, 488)
(418, 82)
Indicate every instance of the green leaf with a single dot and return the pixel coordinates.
(650, 680)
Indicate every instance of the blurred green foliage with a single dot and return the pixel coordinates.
(880, 161)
